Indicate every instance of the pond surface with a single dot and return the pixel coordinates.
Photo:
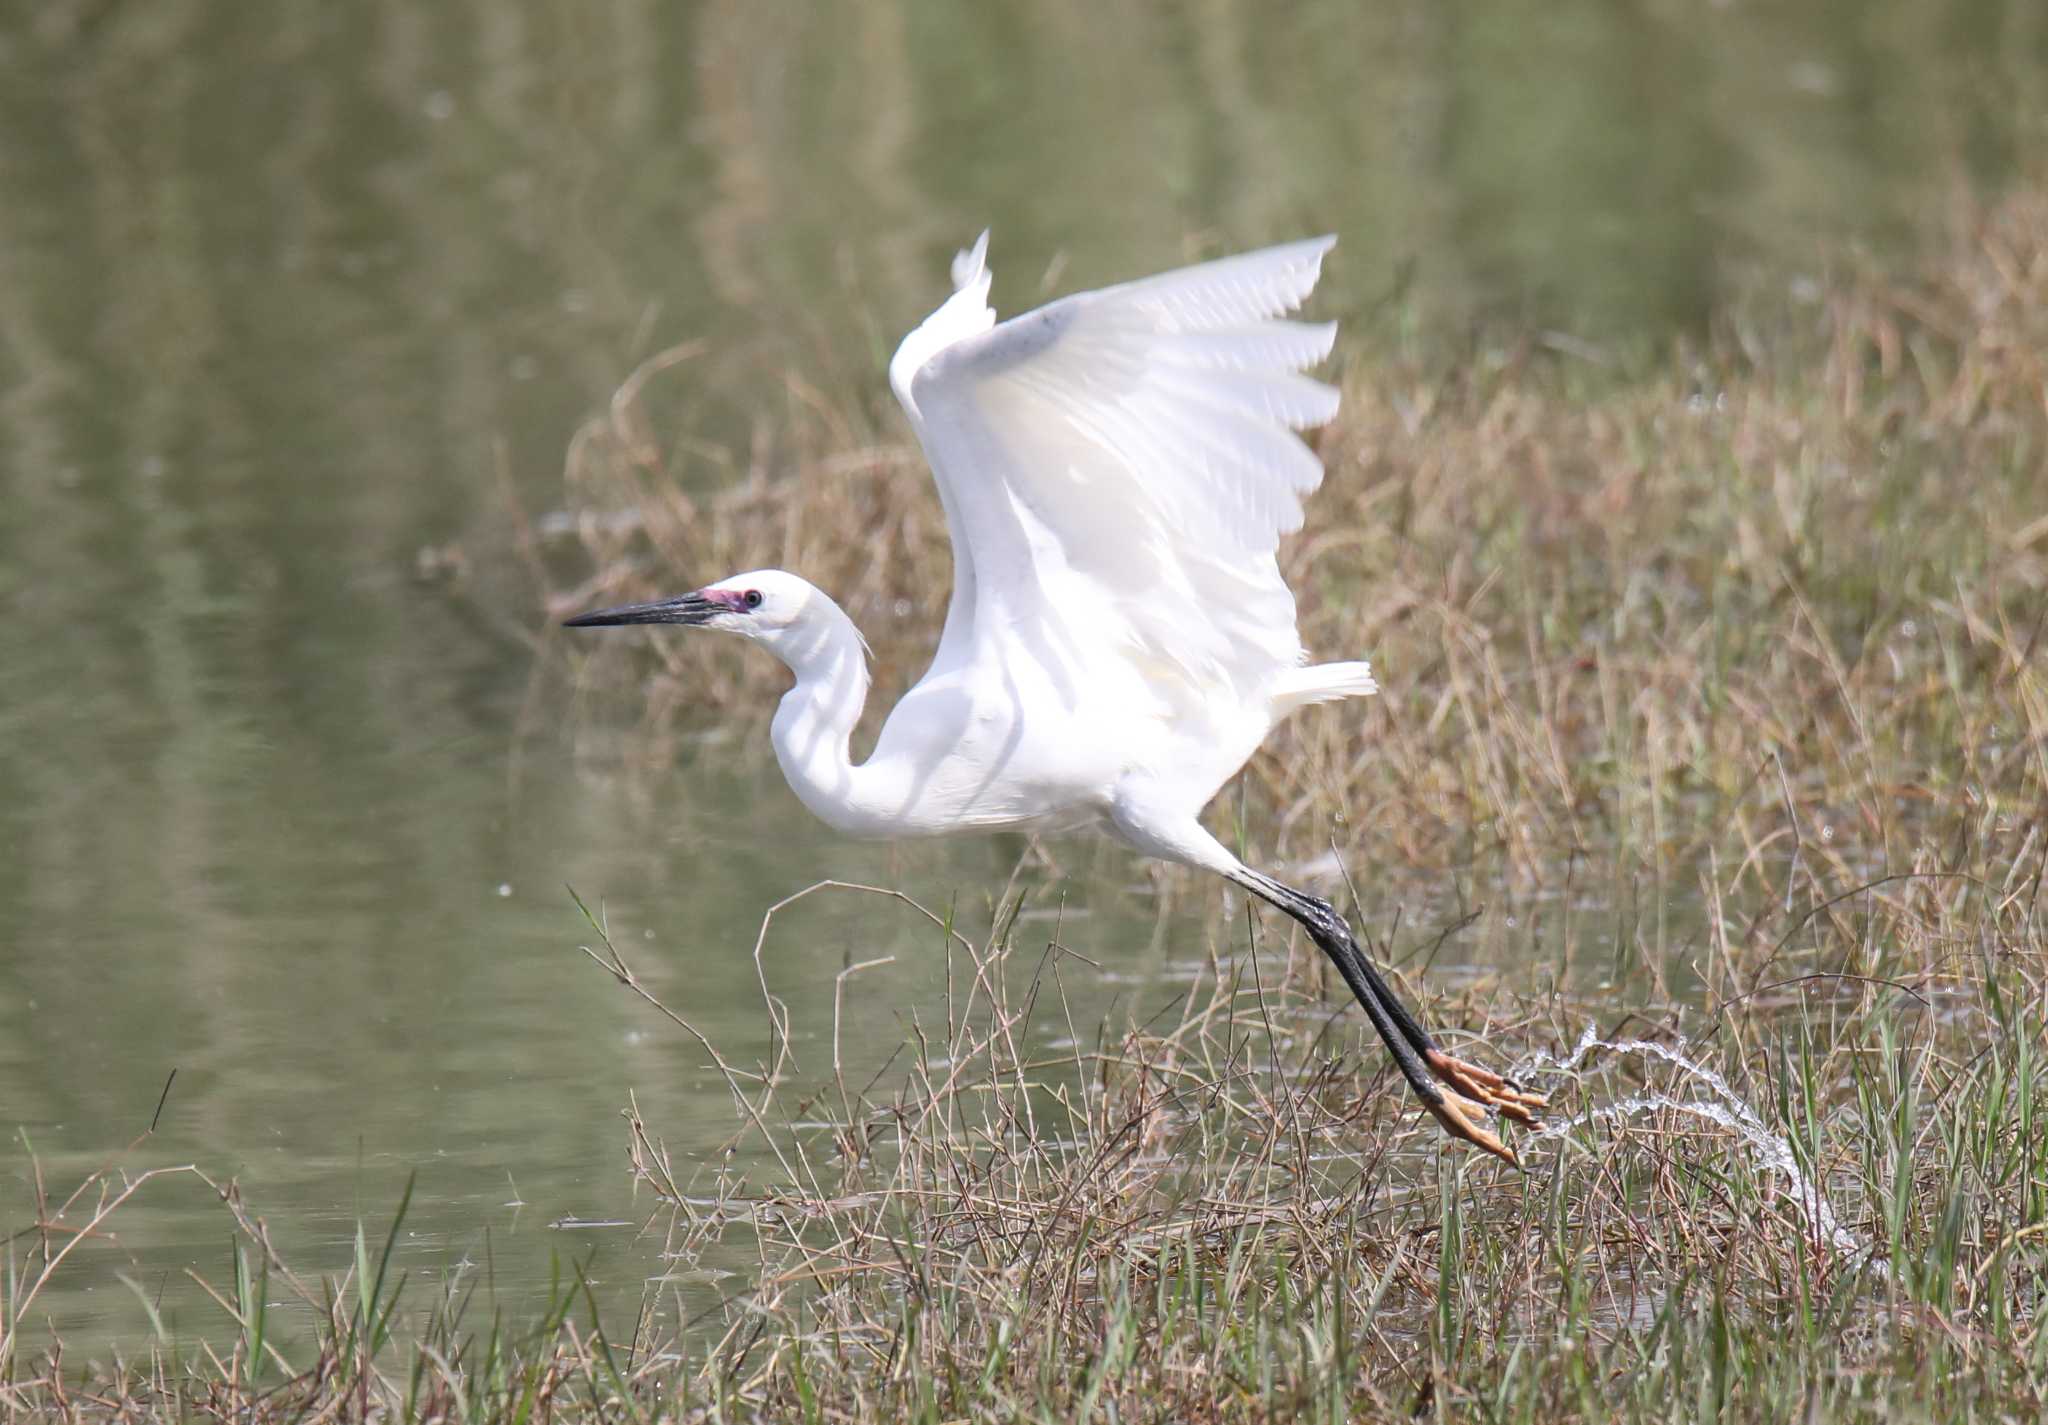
(290, 293)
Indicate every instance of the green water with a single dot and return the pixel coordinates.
(291, 292)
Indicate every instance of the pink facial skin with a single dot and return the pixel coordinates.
(733, 599)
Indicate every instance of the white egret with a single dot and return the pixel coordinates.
(1117, 468)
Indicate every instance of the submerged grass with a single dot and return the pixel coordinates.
(1751, 627)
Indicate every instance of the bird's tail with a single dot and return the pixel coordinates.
(1322, 683)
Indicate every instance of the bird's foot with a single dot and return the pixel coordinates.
(1503, 1096)
(1462, 1118)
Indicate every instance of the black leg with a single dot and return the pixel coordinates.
(1421, 1062)
(1384, 1011)
(1322, 921)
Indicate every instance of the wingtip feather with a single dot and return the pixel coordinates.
(970, 264)
(966, 313)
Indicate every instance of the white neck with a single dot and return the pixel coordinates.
(814, 723)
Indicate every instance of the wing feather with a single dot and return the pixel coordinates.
(1118, 466)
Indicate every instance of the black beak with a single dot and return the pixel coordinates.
(689, 609)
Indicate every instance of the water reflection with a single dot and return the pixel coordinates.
(290, 292)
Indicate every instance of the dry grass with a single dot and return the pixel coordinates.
(1753, 629)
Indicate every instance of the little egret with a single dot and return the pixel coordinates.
(1117, 469)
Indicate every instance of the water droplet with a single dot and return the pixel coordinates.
(504, 889)
(1827, 833)
(1908, 629)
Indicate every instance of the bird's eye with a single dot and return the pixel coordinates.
(752, 598)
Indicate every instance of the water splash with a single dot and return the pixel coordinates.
(1725, 1108)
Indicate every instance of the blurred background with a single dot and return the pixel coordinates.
(300, 306)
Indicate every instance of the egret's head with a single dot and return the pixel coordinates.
(767, 606)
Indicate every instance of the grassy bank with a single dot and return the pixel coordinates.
(1721, 666)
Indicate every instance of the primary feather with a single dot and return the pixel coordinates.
(1118, 466)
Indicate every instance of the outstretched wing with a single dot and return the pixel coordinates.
(1118, 466)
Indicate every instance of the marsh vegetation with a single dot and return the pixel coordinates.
(1713, 672)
